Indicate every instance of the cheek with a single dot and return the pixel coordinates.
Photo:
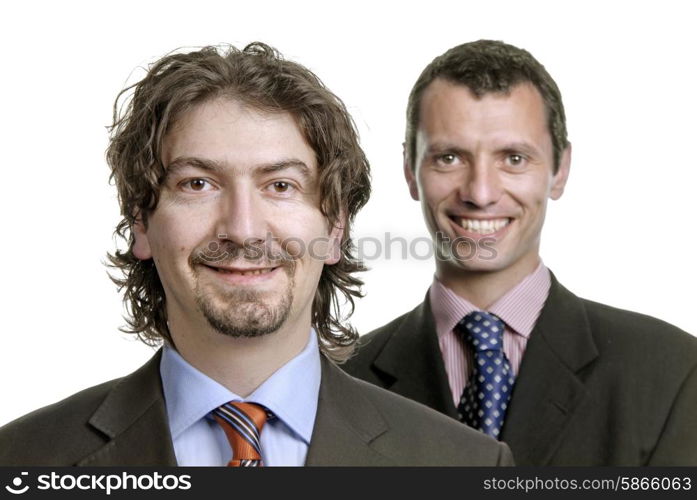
(300, 232)
(175, 240)
(530, 192)
(435, 188)
(434, 202)
(532, 204)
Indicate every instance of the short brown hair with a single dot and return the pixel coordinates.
(260, 77)
(490, 66)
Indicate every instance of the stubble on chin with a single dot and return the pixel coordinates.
(244, 313)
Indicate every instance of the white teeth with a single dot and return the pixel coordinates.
(483, 226)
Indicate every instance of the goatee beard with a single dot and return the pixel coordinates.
(245, 313)
(241, 312)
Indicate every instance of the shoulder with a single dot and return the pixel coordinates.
(418, 435)
(623, 343)
(373, 341)
(56, 433)
(638, 335)
(372, 344)
(641, 365)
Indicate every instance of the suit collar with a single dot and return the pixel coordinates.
(134, 419)
(290, 392)
(531, 293)
(346, 423)
(412, 357)
(548, 387)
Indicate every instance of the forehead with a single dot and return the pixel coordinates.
(448, 108)
(232, 133)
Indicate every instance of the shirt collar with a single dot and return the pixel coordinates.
(519, 308)
(291, 392)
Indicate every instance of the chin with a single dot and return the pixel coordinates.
(244, 312)
(478, 263)
(248, 319)
(478, 266)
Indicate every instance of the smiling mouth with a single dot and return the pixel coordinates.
(481, 226)
(243, 272)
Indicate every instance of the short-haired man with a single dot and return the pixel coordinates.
(238, 175)
(498, 343)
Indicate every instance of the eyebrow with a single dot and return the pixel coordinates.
(285, 165)
(440, 147)
(523, 147)
(509, 147)
(218, 167)
(183, 162)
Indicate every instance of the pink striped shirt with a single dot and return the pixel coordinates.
(519, 309)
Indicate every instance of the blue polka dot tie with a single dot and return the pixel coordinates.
(485, 399)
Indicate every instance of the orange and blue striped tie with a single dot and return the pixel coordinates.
(242, 423)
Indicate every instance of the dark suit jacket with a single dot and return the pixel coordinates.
(124, 422)
(597, 385)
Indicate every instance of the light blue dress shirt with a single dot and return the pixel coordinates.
(291, 393)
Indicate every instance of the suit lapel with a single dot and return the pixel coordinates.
(134, 418)
(413, 358)
(346, 423)
(547, 389)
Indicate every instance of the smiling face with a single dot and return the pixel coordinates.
(483, 171)
(238, 209)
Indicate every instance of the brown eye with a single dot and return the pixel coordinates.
(281, 186)
(197, 184)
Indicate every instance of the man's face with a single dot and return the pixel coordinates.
(483, 172)
(237, 213)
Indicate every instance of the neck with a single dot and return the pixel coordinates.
(484, 288)
(241, 364)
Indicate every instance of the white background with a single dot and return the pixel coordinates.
(622, 233)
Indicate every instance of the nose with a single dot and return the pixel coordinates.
(482, 185)
(242, 220)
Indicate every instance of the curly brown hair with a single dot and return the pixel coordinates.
(260, 77)
(488, 66)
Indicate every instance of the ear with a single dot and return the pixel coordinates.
(410, 174)
(336, 237)
(141, 245)
(562, 175)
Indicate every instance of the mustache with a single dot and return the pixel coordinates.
(228, 252)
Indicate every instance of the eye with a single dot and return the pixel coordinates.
(515, 160)
(281, 187)
(447, 158)
(198, 184)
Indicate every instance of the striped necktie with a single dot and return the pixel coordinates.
(485, 399)
(242, 423)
